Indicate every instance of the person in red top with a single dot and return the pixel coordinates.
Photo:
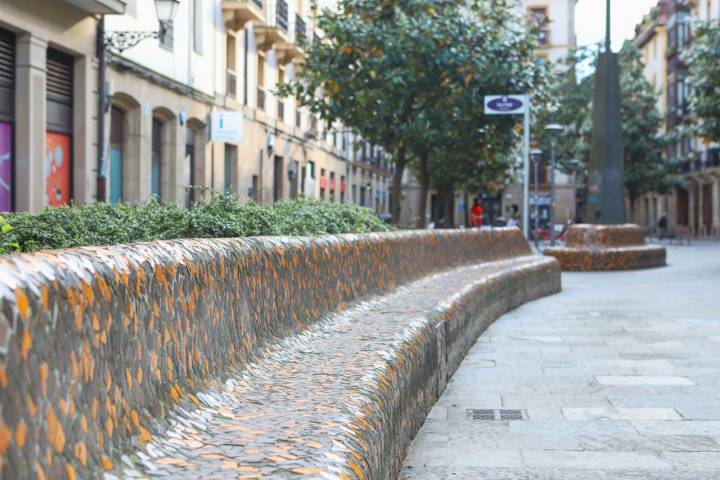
(476, 214)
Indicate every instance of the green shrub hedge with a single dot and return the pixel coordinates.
(220, 216)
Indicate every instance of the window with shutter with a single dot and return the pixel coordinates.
(7, 76)
(59, 91)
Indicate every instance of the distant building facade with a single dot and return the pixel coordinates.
(216, 57)
(663, 36)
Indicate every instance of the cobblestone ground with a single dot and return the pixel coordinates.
(618, 378)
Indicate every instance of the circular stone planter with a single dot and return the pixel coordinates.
(607, 247)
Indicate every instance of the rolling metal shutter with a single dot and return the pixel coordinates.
(59, 91)
(7, 76)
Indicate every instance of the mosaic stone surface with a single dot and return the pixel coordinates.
(607, 247)
(343, 399)
(585, 235)
(99, 345)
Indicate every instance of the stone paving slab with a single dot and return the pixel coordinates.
(617, 374)
(322, 403)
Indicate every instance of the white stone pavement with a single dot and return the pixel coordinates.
(619, 378)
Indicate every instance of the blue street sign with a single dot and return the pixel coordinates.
(505, 104)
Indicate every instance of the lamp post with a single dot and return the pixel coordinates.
(535, 154)
(575, 166)
(553, 129)
(117, 42)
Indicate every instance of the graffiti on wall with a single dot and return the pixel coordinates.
(57, 169)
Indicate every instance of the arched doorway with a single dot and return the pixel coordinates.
(123, 172)
(162, 156)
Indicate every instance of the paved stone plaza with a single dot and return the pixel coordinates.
(618, 377)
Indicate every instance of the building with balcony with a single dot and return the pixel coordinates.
(217, 57)
(663, 36)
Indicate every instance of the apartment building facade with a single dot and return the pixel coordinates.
(663, 37)
(217, 59)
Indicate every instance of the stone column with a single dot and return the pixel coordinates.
(170, 160)
(139, 156)
(31, 122)
(85, 130)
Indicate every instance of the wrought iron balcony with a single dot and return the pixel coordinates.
(281, 110)
(237, 13)
(231, 83)
(260, 98)
(300, 29)
(281, 14)
(275, 31)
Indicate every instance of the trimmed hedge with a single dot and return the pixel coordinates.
(220, 216)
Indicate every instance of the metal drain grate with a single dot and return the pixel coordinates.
(488, 414)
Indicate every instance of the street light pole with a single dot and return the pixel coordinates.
(553, 144)
(608, 43)
(536, 160)
(553, 129)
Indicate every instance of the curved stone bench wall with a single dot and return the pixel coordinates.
(98, 344)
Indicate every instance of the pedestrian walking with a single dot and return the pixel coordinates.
(476, 214)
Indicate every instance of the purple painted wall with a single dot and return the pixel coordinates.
(6, 137)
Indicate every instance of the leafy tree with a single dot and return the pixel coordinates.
(646, 168)
(493, 53)
(704, 78)
(370, 72)
(410, 75)
(568, 102)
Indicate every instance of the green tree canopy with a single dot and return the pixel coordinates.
(704, 76)
(410, 76)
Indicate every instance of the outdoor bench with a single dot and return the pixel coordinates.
(244, 358)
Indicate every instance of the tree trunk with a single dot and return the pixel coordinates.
(424, 188)
(396, 199)
(450, 209)
(466, 211)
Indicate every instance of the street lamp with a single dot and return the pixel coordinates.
(553, 129)
(117, 42)
(536, 154)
